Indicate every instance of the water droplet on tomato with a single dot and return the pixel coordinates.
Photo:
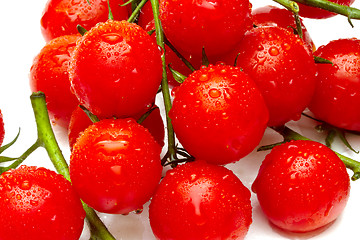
(116, 169)
(112, 38)
(214, 93)
(203, 78)
(25, 185)
(34, 202)
(274, 51)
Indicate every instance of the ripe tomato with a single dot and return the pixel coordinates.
(37, 203)
(317, 13)
(60, 17)
(80, 121)
(116, 69)
(216, 25)
(337, 92)
(146, 21)
(2, 129)
(281, 17)
(218, 114)
(115, 166)
(49, 74)
(283, 69)
(302, 186)
(198, 200)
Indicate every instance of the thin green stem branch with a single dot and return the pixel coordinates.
(46, 139)
(136, 11)
(164, 83)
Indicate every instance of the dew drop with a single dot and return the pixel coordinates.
(203, 78)
(112, 38)
(274, 51)
(25, 185)
(214, 93)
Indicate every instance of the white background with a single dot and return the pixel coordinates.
(21, 40)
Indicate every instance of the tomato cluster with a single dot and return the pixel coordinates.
(254, 68)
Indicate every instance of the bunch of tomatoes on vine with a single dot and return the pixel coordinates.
(158, 97)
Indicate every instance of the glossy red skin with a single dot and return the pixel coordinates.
(2, 129)
(198, 200)
(118, 59)
(282, 67)
(115, 166)
(80, 121)
(302, 186)
(49, 74)
(37, 203)
(216, 25)
(338, 87)
(60, 17)
(218, 114)
(316, 13)
(146, 21)
(281, 17)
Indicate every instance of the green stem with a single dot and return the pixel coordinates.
(46, 135)
(46, 139)
(289, 134)
(349, 12)
(136, 11)
(164, 83)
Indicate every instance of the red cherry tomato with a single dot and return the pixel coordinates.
(37, 203)
(146, 21)
(216, 25)
(302, 186)
(281, 17)
(49, 74)
(198, 200)
(80, 121)
(282, 67)
(317, 13)
(115, 166)
(337, 94)
(116, 69)
(2, 129)
(60, 17)
(218, 114)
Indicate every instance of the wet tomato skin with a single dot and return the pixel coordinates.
(2, 129)
(281, 17)
(49, 74)
(218, 114)
(61, 17)
(37, 203)
(121, 60)
(302, 186)
(115, 166)
(198, 200)
(283, 69)
(215, 25)
(337, 92)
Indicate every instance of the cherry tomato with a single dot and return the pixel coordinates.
(2, 129)
(61, 17)
(218, 114)
(115, 166)
(146, 21)
(338, 87)
(198, 200)
(281, 17)
(302, 186)
(116, 69)
(216, 25)
(317, 13)
(80, 121)
(49, 74)
(283, 69)
(37, 203)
